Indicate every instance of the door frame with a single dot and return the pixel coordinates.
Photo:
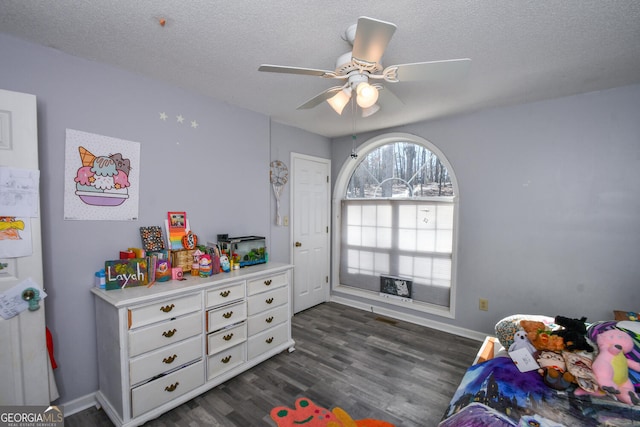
(29, 371)
(293, 156)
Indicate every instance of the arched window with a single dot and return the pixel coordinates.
(397, 215)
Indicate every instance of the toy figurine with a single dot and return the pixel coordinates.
(205, 265)
(195, 266)
(224, 263)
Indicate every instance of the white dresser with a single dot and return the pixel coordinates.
(161, 346)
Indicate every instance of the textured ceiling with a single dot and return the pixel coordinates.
(521, 50)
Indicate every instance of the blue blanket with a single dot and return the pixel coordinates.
(495, 393)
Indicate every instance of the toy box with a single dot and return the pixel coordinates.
(183, 259)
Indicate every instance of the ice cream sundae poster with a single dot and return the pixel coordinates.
(101, 177)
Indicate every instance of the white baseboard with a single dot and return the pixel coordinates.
(463, 332)
(80, 404)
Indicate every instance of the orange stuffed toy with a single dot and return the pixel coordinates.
(541, 337)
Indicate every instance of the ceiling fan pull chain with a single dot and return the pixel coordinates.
(354, 154)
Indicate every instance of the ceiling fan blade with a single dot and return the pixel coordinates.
(318, 99)
(372, 38)
(295, 70)
(388, 100)
(435, 70)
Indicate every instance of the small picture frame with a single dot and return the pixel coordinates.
(395, 286)
(177, 220)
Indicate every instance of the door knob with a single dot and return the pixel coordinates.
(298, 244)
(32, 296)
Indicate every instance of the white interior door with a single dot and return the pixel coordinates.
(310, 221)
(24, 361)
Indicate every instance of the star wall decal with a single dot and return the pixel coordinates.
(180, 119)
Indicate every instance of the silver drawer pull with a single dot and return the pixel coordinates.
(225, 293)
(169, 359)
(269, 319)
(170, 333)
(269, 340)
(227, 314)
(269, 300)
(172, 387)
(225, 359)
(167, 308)
(227, 337)
(267, 282)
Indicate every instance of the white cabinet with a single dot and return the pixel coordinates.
(156, 362)
(268, 328)
(227, 330)
(163, 333)
(161, 346)
(227, 315)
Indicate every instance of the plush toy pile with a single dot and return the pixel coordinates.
(602, 358)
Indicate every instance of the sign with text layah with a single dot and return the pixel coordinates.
(126, 273)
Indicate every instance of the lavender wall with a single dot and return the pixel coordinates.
(216, 172)
(549, 205)
(550, 192)
(286, 140)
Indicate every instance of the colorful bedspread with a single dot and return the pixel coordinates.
(495, 393)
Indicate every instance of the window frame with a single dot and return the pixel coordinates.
(339, 191)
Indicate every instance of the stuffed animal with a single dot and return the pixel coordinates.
(573, 333)
(611, 367)
(579, 365)
(520, 340)
(541, 337)
(554, 370)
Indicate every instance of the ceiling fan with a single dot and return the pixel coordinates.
(363, 73)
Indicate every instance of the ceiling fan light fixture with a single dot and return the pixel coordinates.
(367, 95)
(340, 100)
(370, 111)
(361, 71)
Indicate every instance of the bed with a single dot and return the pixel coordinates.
(493, 392)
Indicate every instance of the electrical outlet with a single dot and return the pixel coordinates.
(484, 304)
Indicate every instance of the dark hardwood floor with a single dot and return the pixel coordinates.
(370, 366)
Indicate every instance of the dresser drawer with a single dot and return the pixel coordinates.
(164, 389)
(225, 294)
(266, 283)
(164, 359)
(227, 337)
(221, 362)
(266, 300)
(167, 309)
(225, 316)
(267, 319)
(267, 340)
(169, 332)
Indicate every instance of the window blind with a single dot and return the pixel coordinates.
(411, 239)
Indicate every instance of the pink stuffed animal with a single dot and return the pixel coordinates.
(611, 367)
